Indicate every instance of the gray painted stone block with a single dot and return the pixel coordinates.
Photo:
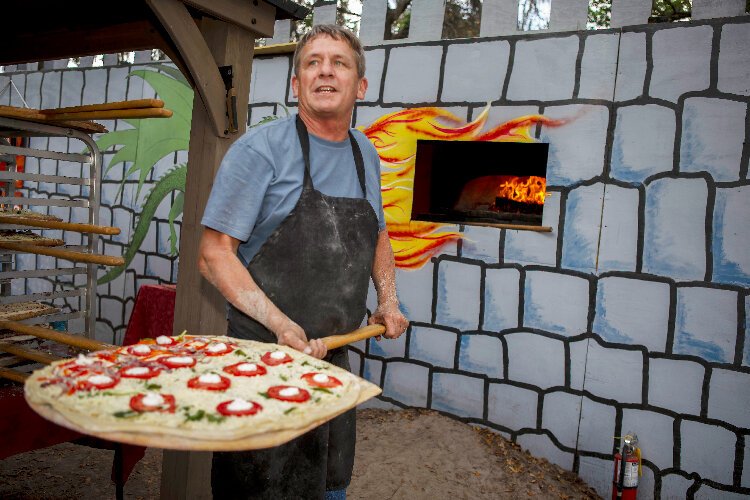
(163, 243)
(706, 492)
(729, 397)
(482, 354)
(258, 113)
(499, 17)
(583, 215)
(674, 244)
(576, 148)
(614, 373)
(6, 90)
(406, 383)
(20, 82)
(706, 323)
(716, 444)
(532, 247)
(512, 407)
(631, 311)
(268, 82)
(682, 58)
(433, 345)
(158, 267)
(630, 12)
(631, 69)
(597, 427)
(388, 348)
(282, 30)
(675, 486)
(544, 69)
(646, 484)
(458, 295)
(71, 87)
(578, 353)
(415, 292)
(569, 15)
(104, 333)
(501, 289)
(618, 245)
(746, 470)
(324, 13)
(413, 74)
(560, 414)
(713, 133)
(459, 395)
(540, 445)
(598, 67)
(536, 360)
(734, 59)
(372, 24)
(481, 243)
(643, 142)
(731, 236)
(475, 72)
(597, 473)
(708, 9)
(426, 20)
(355, 361)
(32, 93)
(655, 435)
(374, 73)
(95, 86)
(746, 358)
(556, 302)
(675, 385)
(372, 370)
(149, 241)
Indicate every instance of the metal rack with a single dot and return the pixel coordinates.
(73, 286)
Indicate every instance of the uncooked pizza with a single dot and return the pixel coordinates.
(193, 388)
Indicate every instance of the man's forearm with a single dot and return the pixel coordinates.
(384, 271)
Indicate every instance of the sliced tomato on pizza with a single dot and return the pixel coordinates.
(139, 350)
(97, 381)
(245, 369)
(178, 361)
(218, 349)
(153, 401)
(238, 408)
(275, 358)
(288, 393)
(321, 380)
(209, 382)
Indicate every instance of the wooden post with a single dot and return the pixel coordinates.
(199, 307)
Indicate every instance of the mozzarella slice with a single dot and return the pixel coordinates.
(84, 360)
(163, 340)
(153, 399)
(239, 405)
(320, 378)
(140, 349)
(137, 370)
(100, 379)
(180, 360)
(209, 378)
(278, 355)
(220, 347)
(247, 367)
(289, 392)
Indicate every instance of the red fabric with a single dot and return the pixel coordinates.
(153, 313)
(22, 429)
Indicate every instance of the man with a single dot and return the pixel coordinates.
(294, 229)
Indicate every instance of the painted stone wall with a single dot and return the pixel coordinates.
(631, 315)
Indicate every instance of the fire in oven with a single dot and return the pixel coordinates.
(482, 183)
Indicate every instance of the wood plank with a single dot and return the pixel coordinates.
(27, 353)
(199, 307)
(134, 104)
(204, 71)
(257, 19)
(111, 114)
(13, 375)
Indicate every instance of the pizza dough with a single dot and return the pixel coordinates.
(193, 392)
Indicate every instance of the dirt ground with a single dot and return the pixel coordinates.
(409, 454)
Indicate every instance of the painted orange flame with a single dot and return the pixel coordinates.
(531, 189)
(395, 138)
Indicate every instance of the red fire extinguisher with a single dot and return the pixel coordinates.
(627, 469)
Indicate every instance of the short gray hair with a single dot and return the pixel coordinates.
(337, 33)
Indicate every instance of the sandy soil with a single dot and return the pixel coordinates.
(409, 454)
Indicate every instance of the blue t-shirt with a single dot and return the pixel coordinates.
(260, 180)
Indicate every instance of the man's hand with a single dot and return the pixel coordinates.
(389, 315)
(291, 334)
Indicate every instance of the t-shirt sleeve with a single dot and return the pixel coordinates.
(236, 197)
(374, 188)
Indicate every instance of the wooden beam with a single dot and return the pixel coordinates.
(199, 307)
(203, 69)
(258, 18)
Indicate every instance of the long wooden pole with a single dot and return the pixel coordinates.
(90, 258)
(63, 338)
(134, 104)
(31, 354)
(66, 226)
(13, 375)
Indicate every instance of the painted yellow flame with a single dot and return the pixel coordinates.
(395, 138)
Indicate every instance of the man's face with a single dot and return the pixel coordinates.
(328, 84)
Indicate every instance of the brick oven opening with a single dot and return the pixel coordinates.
(483, 183)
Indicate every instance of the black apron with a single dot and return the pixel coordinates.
(316, 268)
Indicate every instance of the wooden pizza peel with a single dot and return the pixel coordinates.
(367, 390)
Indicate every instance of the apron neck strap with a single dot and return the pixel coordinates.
(304, 140)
